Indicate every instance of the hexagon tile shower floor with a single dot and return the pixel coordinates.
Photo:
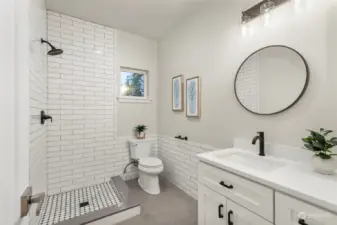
(67, 205)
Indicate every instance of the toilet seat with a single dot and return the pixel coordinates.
(150, 162)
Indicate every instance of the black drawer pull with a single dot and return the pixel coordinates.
(219, 211)
(229, 217)
(302, 222)
(226, 186)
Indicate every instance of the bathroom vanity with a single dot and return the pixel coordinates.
(238, 187)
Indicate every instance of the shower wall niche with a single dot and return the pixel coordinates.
(82, 147)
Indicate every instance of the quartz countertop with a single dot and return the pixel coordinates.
(294, 178)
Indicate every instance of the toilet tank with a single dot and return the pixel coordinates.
(141, 148)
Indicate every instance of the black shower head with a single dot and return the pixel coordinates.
(53, 51)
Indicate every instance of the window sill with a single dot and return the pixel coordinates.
(134, 100)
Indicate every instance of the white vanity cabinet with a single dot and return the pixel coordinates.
(290, 211)
(228, 199)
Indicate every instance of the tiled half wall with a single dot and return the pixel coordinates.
(180, 162)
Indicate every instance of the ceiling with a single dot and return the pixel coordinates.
(149, 18)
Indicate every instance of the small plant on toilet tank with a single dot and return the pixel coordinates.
(140, 131)
(324, 159)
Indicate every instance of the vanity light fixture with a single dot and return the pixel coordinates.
(261, 8)
(245, 18)
(267, 6)
(245, 27)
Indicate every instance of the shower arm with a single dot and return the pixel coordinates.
(44, 41)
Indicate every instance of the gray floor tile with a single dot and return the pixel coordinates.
(171, 207)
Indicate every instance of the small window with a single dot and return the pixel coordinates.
(133, 84)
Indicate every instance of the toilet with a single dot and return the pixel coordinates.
(149, 167)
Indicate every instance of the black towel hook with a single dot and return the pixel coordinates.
(181, 138)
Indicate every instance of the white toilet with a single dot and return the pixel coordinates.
(149, 167)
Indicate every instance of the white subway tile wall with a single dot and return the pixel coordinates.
(82, 144)
(180, 162)
(37, 96)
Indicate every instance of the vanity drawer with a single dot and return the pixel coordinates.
(289, 211)
(257, 198)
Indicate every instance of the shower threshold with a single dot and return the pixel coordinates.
(102, 204)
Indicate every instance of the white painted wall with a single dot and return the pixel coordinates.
(7, 113)
(17, 25)
(211, 45)
(22, 63)
(35, 94)
(140, 53)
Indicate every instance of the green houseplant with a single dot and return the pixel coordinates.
(140, 131)
(319, 142)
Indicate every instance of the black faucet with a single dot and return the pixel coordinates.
(260, 137)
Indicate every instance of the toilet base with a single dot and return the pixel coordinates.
(149, 183)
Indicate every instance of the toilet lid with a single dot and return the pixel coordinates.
(150, 162)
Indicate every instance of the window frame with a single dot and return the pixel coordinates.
(137, 99)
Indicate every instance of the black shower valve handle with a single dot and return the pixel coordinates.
(45, 117)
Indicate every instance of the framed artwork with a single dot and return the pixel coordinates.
(178, 93)
(193, 97)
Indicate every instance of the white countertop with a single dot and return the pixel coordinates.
(295, 179)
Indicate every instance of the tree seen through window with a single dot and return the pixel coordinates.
(132, 84)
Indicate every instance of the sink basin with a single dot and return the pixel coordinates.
(248, 159)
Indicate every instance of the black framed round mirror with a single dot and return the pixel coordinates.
(271, 80)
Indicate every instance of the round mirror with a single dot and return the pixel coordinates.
(271, 80)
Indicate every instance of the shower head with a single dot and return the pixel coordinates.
(53, 51)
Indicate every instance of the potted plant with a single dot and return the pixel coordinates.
(323, 159)
(140, 131)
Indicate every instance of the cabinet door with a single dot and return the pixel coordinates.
(211, 207)
(290, 211)
(237, 215)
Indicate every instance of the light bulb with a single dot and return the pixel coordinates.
(244, 30)
(297, 4)
(267, 6)
(266, 18)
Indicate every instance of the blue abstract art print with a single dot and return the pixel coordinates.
(178, 93)
(193, 97)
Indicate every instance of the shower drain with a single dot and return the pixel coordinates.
(68, 205)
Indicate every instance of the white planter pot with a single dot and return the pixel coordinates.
(140, 135)
(324, 166)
